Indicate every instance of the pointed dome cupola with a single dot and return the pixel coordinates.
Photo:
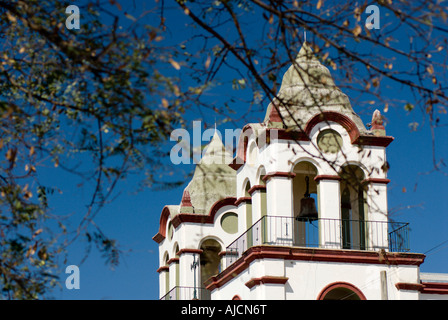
(213, 179)
(308, 89)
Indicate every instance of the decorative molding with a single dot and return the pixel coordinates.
(285, 134)
(243, 199)
(424, 287)
(188, 250)
(326, 177)
(228, 253)
(299, 135)
(279, 174)
(236, 163)
(173, 260)
(311, 254)
(160, 236)
(243, 140)
(343, 120)
(266, 279)
(409, 286)
(376, 180)
(190, 217)
(163, 269)
(434, 287)
(382, 141)
(257, 187)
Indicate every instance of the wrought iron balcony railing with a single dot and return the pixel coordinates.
(322, 233)
(187, 293)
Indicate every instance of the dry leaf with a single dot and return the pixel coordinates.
(165, 103)
(11, 17)
(175, 64)
(207, 62)
(357, 30)
(319, 4)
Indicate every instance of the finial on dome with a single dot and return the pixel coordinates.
(186, 206)
(377, 124)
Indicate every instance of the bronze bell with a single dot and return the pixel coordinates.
(308, 211)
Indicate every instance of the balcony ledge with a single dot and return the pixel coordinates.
(311, 254)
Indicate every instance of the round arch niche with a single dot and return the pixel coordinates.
(341, 291)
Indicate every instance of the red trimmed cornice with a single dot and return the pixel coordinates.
(326, 177)
(240, 158)
(424, 287)
(163, 268)
(243, 199)
(279, 174)
(257, 187)
(236, 163)
(189, 250)
(297, 135)
(311, 254)
(376, 180)
(160, 236)
(409, 286)
(350, 126)
(173, 260)
(265, 279)
(343, 120)
(285, 134)
(434, 287)
(381, 141)
(190, 217)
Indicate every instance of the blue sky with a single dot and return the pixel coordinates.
(415, 194)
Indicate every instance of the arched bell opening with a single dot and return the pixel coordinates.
(305, 204)
(353, 208)
(210, 264)
(341, 294)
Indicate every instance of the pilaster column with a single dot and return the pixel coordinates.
(187, 274)
(329, 199)
(279, 193)
(377, 213)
